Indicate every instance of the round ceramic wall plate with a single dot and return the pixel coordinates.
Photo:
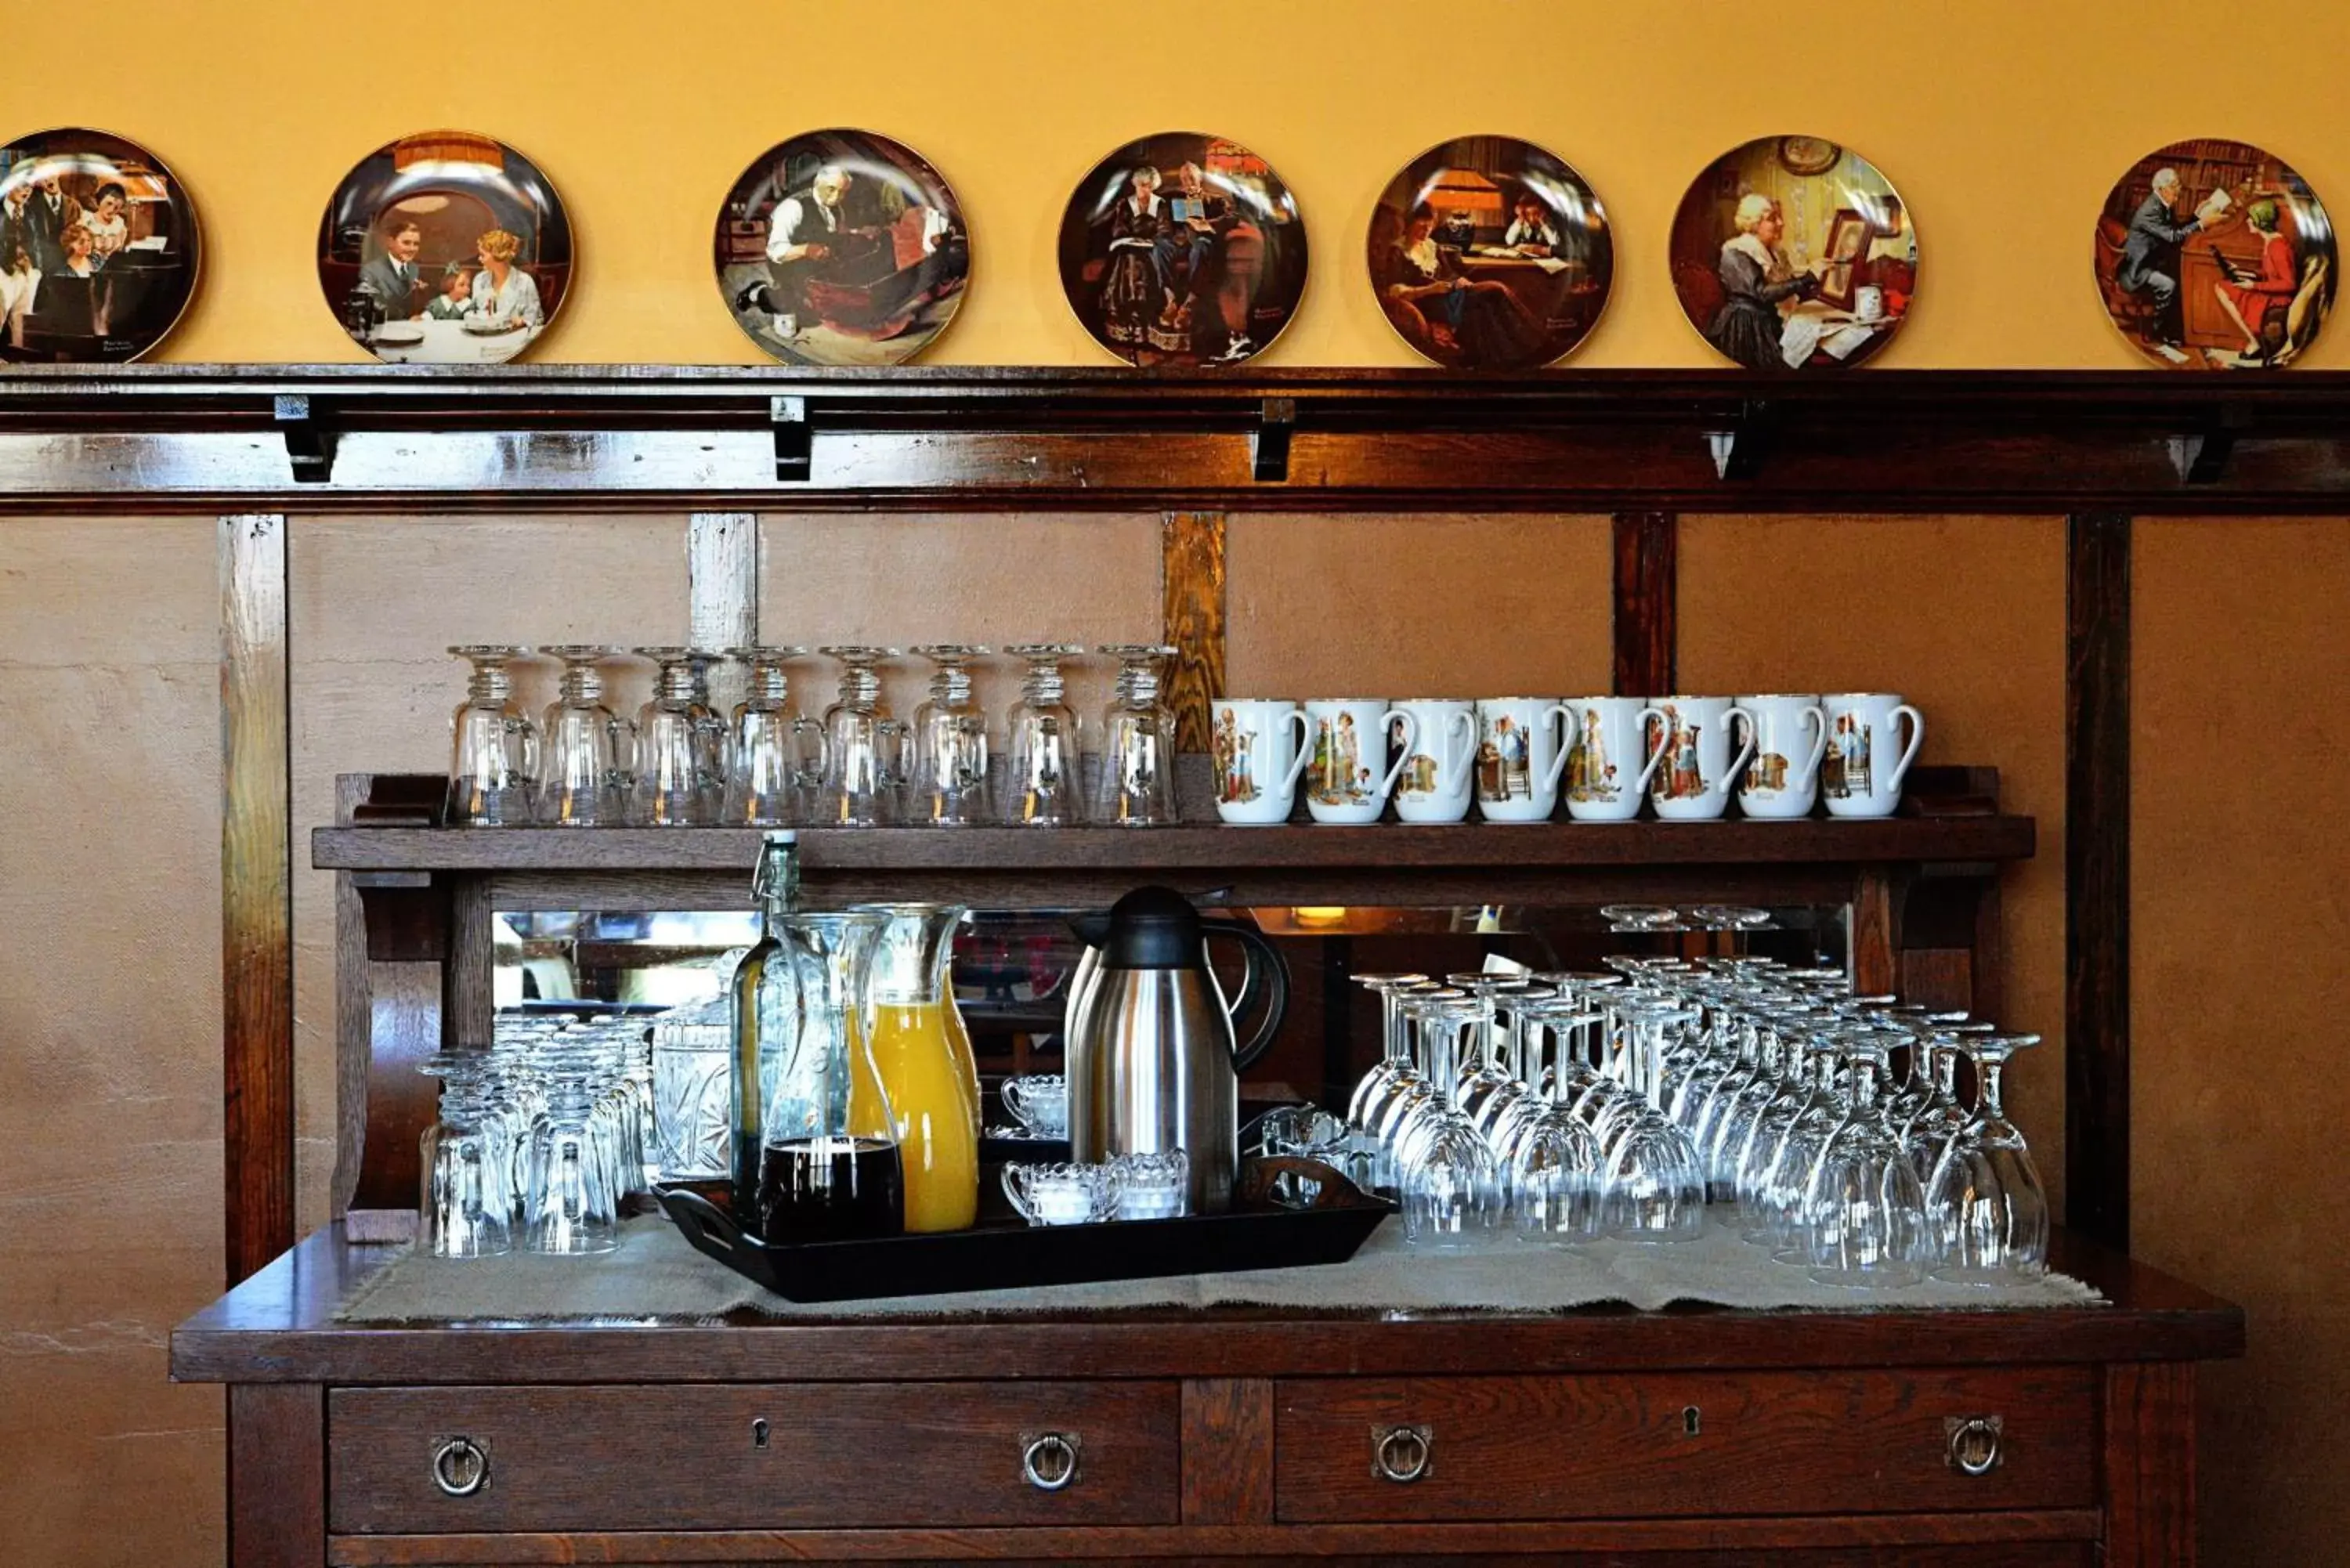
(2215, 255)
(841, 247)
(1793, 252)
(1181, 250)
(445, 248)
(1491, 253)
(99, 249)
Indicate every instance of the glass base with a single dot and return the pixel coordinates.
(1990, 1275)
(1884, 1277)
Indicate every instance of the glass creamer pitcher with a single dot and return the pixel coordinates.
(927, 1067)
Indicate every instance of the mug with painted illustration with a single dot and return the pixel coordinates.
(1434, 783)
(1691, 734)
(1608, 765)
(1347, 775)
(1258, 745)
(1791, 737)
(1522, 755)
(1865, 762)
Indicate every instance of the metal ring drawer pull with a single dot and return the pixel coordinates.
(1401, 1454)
(459, 1468)
(1974, 1446)
(1050, 1462)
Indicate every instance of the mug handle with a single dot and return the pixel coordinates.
(1305, 750)
(1450, 778)
(1909, 752)
(1410, 740)
(1803, 775)
(1664, 744)
(1753, 739)
(1015, 1095)
(1011, 1192)
(1557, 769)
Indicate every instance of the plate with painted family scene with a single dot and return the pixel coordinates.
(1181, 249)
(99, 249)
(446, 247)
(842, 247)
(1487, 253)
(2216, 256)
(1794, 253)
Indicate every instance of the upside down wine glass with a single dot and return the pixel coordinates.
(1987, 1210)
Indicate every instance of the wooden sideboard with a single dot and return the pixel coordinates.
(2048, 1436)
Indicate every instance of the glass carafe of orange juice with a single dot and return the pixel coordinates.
(927, 1068)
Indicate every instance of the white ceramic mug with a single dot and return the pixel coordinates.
(1520, 755)
(1691, 735)
(1862, 776)
(1434, 783)
(1608, 761)
(1258, 745)
(1791, 737)
(1348, 778)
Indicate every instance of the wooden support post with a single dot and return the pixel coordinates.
(2149, 1462)
(276, 1475)
(1646, 589)
(1193, 582)
(2096, 877)
(721, 584)
(256, 894)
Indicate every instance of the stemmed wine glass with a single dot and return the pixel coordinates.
(680, 743)
(1987, 1210)
(1042, 789)
(1863, 1212)
(1449, 1180)
(771, 751)
(949, 738)
(590, 750)
(494, 767)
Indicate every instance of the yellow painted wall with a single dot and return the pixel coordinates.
(2003, 122)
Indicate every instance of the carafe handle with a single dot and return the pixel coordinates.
(1266, 970)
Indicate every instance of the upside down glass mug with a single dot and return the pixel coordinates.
(1862, 775)
(1522, 755)
(1258, 745)
(1691, 734)
(1434, 783)
(1347, 777)
(1608, 765)
(1791, 737)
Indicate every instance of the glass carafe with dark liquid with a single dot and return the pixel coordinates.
(828, 1163)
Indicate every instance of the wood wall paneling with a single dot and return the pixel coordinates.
(1646, 596)
(257, 893)
(1192, 582)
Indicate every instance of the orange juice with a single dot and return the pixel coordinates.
(927, 1068)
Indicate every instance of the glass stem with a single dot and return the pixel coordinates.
(1988, 1071)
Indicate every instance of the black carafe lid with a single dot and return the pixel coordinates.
(1153, 927)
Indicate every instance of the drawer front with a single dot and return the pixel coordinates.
(1661, 1444)
(752, 1456)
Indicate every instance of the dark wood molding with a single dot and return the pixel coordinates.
(1644, 601)
(1228, 1451)
(702, 438)
(1192, 582)
(256, 894)
(2096, 876)
(276, 1475)
(2149, 1464)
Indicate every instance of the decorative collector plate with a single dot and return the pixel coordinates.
(1183, 249)
(1792, 253)
(99, 249)
(1488, 253)
(445, 248)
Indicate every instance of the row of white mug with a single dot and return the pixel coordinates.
(1512, 757)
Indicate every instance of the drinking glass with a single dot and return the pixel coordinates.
(1985, 1207)
(772, 751)
(1863, 1212)
(465, 1207)
(1552, 1165)
(863, 746)
(590, 750)
(494, 767)
(680, 743)
(949, 738)
(570, 1204)
(1137, 753)
(1042, 735)
(1450, 1183)
(692, 1090)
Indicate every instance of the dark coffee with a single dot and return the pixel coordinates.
(831, 1190)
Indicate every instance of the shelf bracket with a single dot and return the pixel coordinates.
(1736, 453)
(309, 445)
(2202, 458)
(1268, 443)
(795, 439)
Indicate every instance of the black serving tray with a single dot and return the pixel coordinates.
(1285, 1213)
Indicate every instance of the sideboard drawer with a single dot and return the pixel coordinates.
(1662, 1444)
(752, 1456)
